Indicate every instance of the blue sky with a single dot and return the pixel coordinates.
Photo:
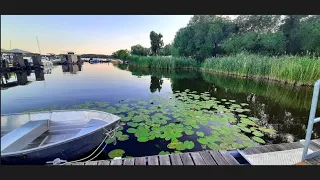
(101, 34)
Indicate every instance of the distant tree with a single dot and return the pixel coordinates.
(166, 50)
(140, 50)
(156, 42)
(121, 54)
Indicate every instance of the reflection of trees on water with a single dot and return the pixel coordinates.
(155, 84)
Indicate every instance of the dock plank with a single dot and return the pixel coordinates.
(218, 158)
(164, 160)
(207, 158)
(197, 159)
(104, 162)
(153, 160)
(140, 161)
(228, 157)
(175, 159)
(186, 159)
(115, 162)
(128, 161)
(91, 163)
(78, 164)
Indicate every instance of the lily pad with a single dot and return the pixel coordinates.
(200, 134)
(214, 146)
(257, 133)
(131, 130)
(258, 139)
(188, 144)
(163, 153)
(123, 137)
(116, 153)
(189, 132)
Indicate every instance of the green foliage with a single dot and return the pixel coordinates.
(156, 42)
(291, 69)
(140, 50)
(163, 62)
(116, 153)
(121, 54)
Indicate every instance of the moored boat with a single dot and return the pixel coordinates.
(39, 137)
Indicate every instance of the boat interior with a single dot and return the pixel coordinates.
(33, 130)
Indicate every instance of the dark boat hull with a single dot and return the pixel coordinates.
(69, 151)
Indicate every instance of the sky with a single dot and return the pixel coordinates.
(86, 34)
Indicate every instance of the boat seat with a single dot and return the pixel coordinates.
(91, 126)
(19, 138)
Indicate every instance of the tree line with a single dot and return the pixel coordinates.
(208, 36)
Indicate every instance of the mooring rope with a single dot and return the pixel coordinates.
(59, 161)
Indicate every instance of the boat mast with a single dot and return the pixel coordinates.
(38, 45)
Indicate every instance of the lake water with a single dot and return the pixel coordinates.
(283, 108)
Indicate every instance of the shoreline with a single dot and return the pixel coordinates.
(259, 78)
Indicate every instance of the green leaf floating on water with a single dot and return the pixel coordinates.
(143, 139)
(259, 140)
(214, 146)
(116, 153)
(189, 132)
(188, 144)
(110, 140)
(163, 153)
(247, 121)
(123, 137)
(257, 133)
(270, 131)
(247, 130)
(202, 140)
(131, 130)
(200, 134)
(118, 133)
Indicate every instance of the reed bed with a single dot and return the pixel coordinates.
(300, 70)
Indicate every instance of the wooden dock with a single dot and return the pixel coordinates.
(208, 157)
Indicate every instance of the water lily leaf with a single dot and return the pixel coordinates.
(247, 130)
(177, 152)
(188, 144)
(247, 121)
(116, 153)
(258, 139)
(203, 146)
(163, 153)
(189, 132)
(181, 147)
(232, 101)
(244, 104)
(118, 133)
(131, 130)
(270, 131)
(110, 140)
(202, 140)
(253, 119)
(200, 134)
(123, 137)
(214, 146)
(142, 139)
(223, 100)
(257, 133)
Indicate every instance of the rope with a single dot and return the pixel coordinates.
(58, 161)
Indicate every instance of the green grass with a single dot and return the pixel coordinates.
(291, 69)
(164, 62)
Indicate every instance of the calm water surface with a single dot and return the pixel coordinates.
(282, 107)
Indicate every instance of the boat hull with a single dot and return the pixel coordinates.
(70, 150)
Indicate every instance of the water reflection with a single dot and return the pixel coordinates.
(22, 78)
(71, 68)
(155, 84)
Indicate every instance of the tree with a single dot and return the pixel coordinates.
(139, 50)
(167, 50)
(156, 42)
(257, 23)
(121, 54)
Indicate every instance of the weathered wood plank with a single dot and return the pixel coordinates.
(218, 158)
(268, 148)
(315, 145)
(197, 159)
(246, 151)
(186, 159)
(229, 158)
(261, 149)
(276, 147)
(91, 163)
(140, 161)
(207, 158)
(116, 162)
(175, 159)
(104, 162)
(128, 161)
(153, 160)
(282, 147)
(164, 160)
